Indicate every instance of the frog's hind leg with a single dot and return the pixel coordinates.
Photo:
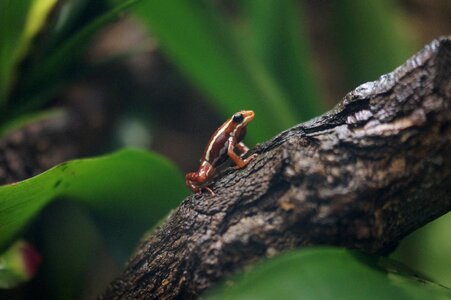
(193, 181)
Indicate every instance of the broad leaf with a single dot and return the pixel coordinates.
(370, 37)
(73, 248)
(207, 51)
(130, 185)
(38, 13)
(13, 17)
(428, 249)
(20, 22)
(62, 63)
(68, 19)
(278, 38)
(328, 273)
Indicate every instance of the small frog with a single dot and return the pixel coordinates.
(222, 145)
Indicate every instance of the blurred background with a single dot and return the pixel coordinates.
(170, 72)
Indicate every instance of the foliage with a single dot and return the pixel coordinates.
(116, 186)
(278, 38)
(329, 273)
(259, 58)
(427, 249)
(208, 52)
(52, 62)
(18, 264)
(370, 39)
(13, 16)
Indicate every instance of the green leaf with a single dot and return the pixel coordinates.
(63, 62)
(38, 13)
(129, 185)
(13, 16)
(66, 21)
(428, 249)
(278, 39)
(74, 47)
(21, 21)
(327, 273)
(370, 37)
(72, 245)
(208, 52)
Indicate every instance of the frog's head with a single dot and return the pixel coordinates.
(242, 118)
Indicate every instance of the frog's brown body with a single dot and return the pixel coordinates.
(221, 146)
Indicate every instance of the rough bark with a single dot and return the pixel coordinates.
(362, 176)
(81, 126)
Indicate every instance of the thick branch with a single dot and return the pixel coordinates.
(84, 119)
(362, 176)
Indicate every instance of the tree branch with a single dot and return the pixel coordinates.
(362, 176)
(85, 118)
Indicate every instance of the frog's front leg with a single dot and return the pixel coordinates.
(239, 162)
(242, 148)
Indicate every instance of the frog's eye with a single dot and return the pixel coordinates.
(238, 118)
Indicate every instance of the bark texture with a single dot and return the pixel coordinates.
(362, 176)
